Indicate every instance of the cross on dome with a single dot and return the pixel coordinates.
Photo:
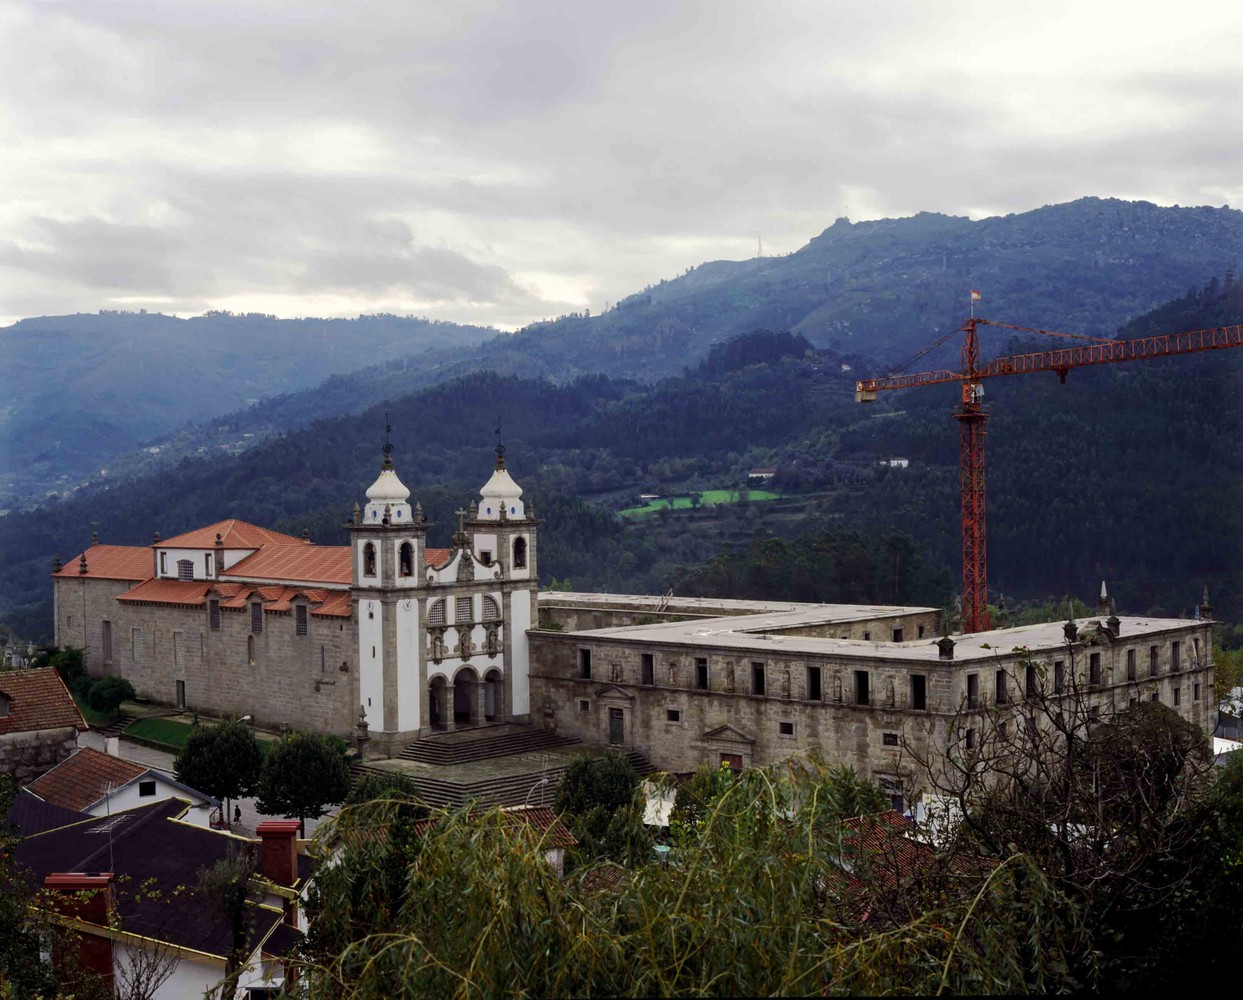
(388, 496)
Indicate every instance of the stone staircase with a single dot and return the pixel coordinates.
(117, 727)
(466, 746)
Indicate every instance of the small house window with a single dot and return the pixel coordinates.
(207, 565)
(815, 689)
(862, 693)
(1002, 694)
(256, 617)
(485, 556)
(584, 706)
(673, 715)
(4, 706)
(647, 668)
(1178, 696)
(369, 560)
(213, 615)
(921, 631)
(520, 553)
(889, 739)
(897, 635)
(757, 678)
(405, 559)
(785, 728)
(973, 690)
(701, 673)
(163, 563)
(1152, 661)
(1059, 676)
(300, 619)
(970, 739)
(919, 692)
(1176, 661)
(1094, 669)
(584, 664)
(146, 789)
(1195, 692)
(1030, 685)
(185, 569)
(1130, 665)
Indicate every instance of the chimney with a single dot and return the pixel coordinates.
(1071, 630)
(945, 648)
(56, 564)
(279, 851)
(112, 746)
(88, 897)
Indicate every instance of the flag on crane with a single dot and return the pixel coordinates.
(975, 296)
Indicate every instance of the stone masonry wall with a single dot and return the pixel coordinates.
(26, 756)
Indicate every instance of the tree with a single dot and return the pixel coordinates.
(225, 886)
(107, 694)
(22, 970)
(600, 798)
(222, 760)
(303, 774)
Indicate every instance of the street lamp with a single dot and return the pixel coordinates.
(539, 784)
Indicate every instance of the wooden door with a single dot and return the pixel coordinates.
(617, 726)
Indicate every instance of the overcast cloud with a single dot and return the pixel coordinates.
(503, 162)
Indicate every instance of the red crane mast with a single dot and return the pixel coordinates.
(972, 416)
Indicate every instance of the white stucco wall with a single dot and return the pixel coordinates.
(197, 556)
(128, 797)
(371, 661)
(516, 636)
(409, 676)
(189, 978)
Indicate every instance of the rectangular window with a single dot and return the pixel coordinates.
(921, 631)
(673, 715)
(584, 706)
(1003, 730)
(862, 694)
(1130, 665)
(1095, 713)
(970, 739)
(1029, 686)
(785, 728)
(584, 664)
(300, 619)
(185, 569)
(1176, 661)
(1152, 661)
(814, 689)
(135, 638)
(889, 739)
(256, 617)
(485, 556)
(647, 668)
(1002, 694)
(207, 565)
(1094, 669)
(1154, 696)
(1195, 692)
(757, 678)
(973, 690)
(919, 692)
(179, 650)
(867, 636)
(1196, 653)
(461, 610)
(1059, 676)
(146, 789)
(897, 635)
(68, 621)
(163, 563)
(213, 615)
(1178, 692)
(701, 673)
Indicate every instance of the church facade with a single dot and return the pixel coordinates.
(384, 633)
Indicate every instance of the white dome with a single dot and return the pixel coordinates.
(501, 487)
(388, 489)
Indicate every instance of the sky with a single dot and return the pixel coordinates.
(499, 163)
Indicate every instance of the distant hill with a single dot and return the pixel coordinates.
(881, 289)
(82, 389)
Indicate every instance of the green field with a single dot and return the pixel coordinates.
(167, 731)
(708, 498)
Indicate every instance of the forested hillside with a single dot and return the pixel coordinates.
(878, 289)
(1128, 472)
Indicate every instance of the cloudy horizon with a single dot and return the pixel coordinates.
(498, 163)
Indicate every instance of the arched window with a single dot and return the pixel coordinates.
(520, 553)
(368, 560)
(491, 610)
(406, 559)
(436, 613)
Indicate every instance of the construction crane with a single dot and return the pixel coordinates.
(972, 416)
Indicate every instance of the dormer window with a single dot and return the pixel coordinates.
(369, 560)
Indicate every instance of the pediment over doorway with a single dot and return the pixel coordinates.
(727, 734)
(613, 691)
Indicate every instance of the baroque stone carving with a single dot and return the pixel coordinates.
(729, 676)
(438, 645)
(465, 568)
(785, 686)
(837, 689)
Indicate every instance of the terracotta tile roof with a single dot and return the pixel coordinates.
(337, 605)
(112, 562)
(882, 854)
(85, 777)
(148, 847)
(301, 562)
(36, 700)
(229, 589)
(234, 534)
(540, 819)
(436, 557)
(191, 593)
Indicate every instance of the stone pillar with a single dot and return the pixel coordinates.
(449, 712)
(480, 700)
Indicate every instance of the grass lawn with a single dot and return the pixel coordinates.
(708, 498)
(93, 718)
(166, 731)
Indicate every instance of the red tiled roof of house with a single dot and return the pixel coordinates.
(436, 557)
(302, 562)
(36, 700)
(84, 778)
(112, 562)
(337, 605)
(191, 593)
(234, 534)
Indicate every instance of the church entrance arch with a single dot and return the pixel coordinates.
(437, 690)
(493, 695)
(466, 691)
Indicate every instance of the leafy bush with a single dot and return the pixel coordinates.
(106, 695)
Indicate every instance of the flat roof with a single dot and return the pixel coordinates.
(722, 607)
(761, 633)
